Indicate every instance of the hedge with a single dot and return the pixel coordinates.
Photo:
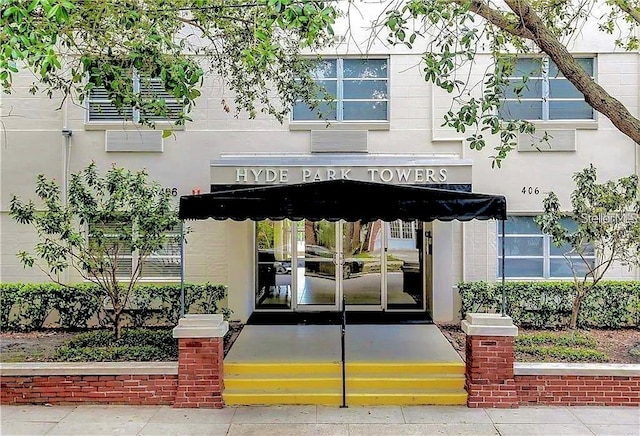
(25, 306)
(612, 304)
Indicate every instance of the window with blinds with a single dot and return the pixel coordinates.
(112, 241)
(102, 109)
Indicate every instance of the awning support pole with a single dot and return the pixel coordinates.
(182, 308)
(342, 347)
(504, 291)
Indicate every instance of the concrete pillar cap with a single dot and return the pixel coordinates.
(201, 326)
(488, 324)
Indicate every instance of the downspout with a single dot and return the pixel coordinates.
(182, 299)
(504, 291)
(66, 158)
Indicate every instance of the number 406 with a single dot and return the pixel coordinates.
(530, 190)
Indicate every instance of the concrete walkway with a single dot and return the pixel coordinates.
(312, 420)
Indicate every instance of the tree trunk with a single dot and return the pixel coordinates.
(117, 330)
(575, 308)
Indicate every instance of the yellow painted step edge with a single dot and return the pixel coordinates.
(352, 368)
(352, 399)
(368, 383)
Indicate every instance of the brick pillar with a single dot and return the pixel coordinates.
(200, 356)
(490, 357)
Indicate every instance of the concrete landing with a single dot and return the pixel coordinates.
(321, 343)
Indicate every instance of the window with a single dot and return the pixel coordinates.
(355, 90)
(163, 264)
(529, 253)
(402, 229)
(101, 108)
(538, 91)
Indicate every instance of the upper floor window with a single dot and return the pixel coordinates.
(355, 90)
(529, 253)
(102, 109)
(539, 91)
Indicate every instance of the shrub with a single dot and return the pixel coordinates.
(574, 339)
(566, 354)
(111, 354)
(26, 306)
(134, 344)
(548, 304)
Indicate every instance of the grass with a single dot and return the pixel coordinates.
(565, 347)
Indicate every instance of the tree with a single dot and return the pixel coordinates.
(73, 46)
(607, 218)
(457, 30)
(105, 220)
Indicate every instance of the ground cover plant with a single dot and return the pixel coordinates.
(558, 346)
(133, 345)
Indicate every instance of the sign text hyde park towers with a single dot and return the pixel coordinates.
(265, 175)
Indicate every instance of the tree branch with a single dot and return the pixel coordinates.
(594, 94)
(496, 17)
(633, 13)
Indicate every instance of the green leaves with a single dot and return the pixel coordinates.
(254, 48)
(108, 219)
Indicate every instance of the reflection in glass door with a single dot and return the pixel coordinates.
(405, 265)
(273, 272)
(310, 266)
(317, 276)
(361, 265)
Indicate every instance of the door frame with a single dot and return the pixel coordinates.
(339, 258)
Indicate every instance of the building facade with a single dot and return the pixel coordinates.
(385, 127)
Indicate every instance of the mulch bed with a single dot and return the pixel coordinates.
(617, 344)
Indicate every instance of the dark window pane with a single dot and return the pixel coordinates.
(528, 67)
(324, 69)
(561, 267)
(562, 88)
(521, 110)
(521, 246)
(570, 110)
(531, 88)
(302, 112)
(365, 110)
(523, 225)
(521, 267)
(364, 68)
(330, 91)
(585, 63)
(365, 89)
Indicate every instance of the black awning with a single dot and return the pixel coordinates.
(349, 200)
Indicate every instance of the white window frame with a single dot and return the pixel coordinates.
(545, 98)
(546, 256)
(339, 98)
(135, 112)
(400, 229)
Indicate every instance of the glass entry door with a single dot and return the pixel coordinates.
(318, 273)
(339, 258)
(362, 278)
(311, 265)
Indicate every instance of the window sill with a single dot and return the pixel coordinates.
(339, 125)
(566, 125)
(130, 126)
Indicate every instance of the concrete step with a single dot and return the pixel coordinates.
(333, 397)
(375, 381)
(368, 383)
(352, 368)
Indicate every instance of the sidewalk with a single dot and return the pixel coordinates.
(312, 420)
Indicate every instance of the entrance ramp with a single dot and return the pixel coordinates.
(300, 364)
